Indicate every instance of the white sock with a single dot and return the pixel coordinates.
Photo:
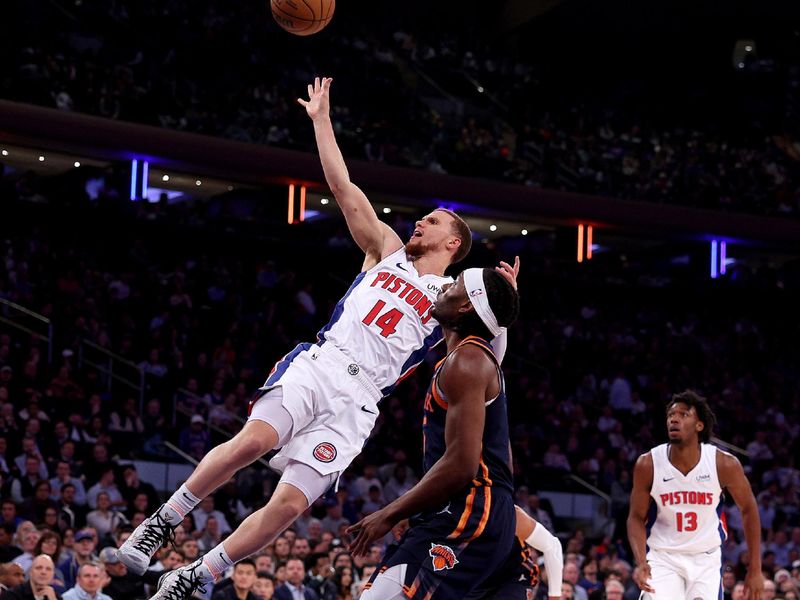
(202, 571)
(217, 561)
(180, 504)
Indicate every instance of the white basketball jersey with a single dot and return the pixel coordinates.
(384, 320)
(688, 515)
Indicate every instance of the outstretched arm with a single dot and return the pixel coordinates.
(466, 378)
(374, 237)
(637, 517)
(733, 480)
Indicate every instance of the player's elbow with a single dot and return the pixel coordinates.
(462, 471)
(339, 185)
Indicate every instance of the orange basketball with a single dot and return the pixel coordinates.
(439, 563)
(303, 17)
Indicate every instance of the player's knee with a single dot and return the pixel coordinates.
(289, 503)
(248, 445)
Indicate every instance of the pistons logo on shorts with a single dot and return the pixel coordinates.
(443, 557)
(325, 452)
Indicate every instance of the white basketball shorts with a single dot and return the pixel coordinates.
(678, 576)
(332, 404)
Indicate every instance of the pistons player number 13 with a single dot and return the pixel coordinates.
(676, 526)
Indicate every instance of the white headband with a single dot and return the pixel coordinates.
(476, 292)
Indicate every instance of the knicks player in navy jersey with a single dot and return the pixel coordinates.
(675, 525)
(320, 402)
(462, 516)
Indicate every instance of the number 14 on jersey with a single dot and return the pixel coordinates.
(387, 322)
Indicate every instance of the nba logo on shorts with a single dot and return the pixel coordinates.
(443, 557)
(325, 452)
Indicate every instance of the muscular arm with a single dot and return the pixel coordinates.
(637, 515)
(733, 480)
(467, 379)
(375, 238)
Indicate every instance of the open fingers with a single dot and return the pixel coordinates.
(310, 91)
(316, 84)
(302, 102)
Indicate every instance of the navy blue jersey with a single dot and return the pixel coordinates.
(494, 469)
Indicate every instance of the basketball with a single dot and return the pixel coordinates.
(303, 17)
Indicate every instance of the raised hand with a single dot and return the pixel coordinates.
(508, 272)
(318, 103)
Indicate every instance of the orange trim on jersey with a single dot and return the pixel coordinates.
(410, 591)
(487, 506)
(462, 523)
(436, 395)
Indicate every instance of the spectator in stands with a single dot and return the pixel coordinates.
(131, 486)
(399, 483)
(87, 587)
(571, 574)
(339, 586)
(39, 584)
(22, 487)
(121, 584)
(82, 553)
(264, 588)
(35, 507)
(264, 562)
(210, 535)
(70, 515)
(293, 588)
(195, 439)
(11, 575)
(63, 475)
(8, 551)
(334, 520)
(106, 485)
(205, 510)
(27, 538)
(103, 519)
(614, 590)
(243, 581)
(50, 544)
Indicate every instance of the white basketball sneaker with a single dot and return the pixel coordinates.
(182, 583)
(145, 540)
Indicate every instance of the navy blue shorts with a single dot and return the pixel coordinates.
(450, 552)
(514, 580)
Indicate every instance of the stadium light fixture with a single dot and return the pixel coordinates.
(134, 173)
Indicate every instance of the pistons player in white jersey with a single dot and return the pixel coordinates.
(675, 525)
(320, 402)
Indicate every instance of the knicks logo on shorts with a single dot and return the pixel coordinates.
(325, 452)
(443, 557)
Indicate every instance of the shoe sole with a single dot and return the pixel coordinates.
(132, 566)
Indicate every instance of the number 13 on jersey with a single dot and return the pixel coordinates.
(387, 322)
(686, 521)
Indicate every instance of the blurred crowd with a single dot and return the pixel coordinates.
(206, 310)
(433, 102)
